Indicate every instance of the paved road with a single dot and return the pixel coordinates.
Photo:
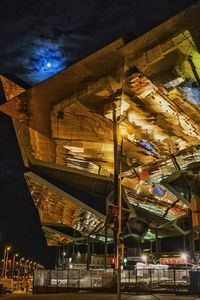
(94, 296)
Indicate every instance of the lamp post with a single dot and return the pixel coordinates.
(6, 260)
(13, 264)
(123, 133)
(30, 267)
(117, 178)
(19, 269)
(25, 267)
(2, 266)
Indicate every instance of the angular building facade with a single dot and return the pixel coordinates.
(68, 132)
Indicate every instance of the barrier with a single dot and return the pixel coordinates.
(136, 280)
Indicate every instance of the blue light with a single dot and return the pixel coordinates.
(192, 94)
(157, 190)
(148, 153)
(146, 145)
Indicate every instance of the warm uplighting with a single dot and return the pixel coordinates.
(75, 149)
(132, 116)
(124, 107)
(159, 137)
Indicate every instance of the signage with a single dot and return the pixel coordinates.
(172, 261)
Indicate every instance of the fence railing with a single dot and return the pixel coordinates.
(137, 280)
(155, 280)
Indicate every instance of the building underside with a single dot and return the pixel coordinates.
(66, 129)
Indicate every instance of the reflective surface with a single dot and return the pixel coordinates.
(57, 207)
(150, 87)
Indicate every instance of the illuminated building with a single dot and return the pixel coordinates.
(64, 127)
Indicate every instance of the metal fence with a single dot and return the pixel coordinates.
(72, 279)
(137, 280)
(155, 280)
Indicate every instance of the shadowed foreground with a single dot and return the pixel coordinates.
(95, 296)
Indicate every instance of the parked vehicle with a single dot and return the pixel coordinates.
(7, 284)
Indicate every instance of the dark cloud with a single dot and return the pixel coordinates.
(77, 28)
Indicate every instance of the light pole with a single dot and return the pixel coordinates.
(6, 249)
(13, 264)
(25, 267)
(19, 269)
(2, 266)
(117, 178)
(6, 259)
(123, 133)
(30, 267)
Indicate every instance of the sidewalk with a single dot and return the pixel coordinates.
(94, 296)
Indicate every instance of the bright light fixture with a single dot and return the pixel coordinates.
(144, 258)
(123, 132)
(184, 256)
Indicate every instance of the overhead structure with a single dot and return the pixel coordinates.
(65, 131)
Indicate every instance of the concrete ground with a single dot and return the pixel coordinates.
(94, 296)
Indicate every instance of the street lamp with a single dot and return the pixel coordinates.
(19, 268)
(6, 253)
(120, 246)
(5, 262)
(19, 271)
(30, 267)
(123, 132)
(13, 264)
(25, 267)
(34, 266)
(2, 266)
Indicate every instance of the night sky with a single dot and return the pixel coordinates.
(39, 38)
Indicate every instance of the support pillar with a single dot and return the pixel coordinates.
(157, 244)
(115, 175)
(88, 253)
(106, 247)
